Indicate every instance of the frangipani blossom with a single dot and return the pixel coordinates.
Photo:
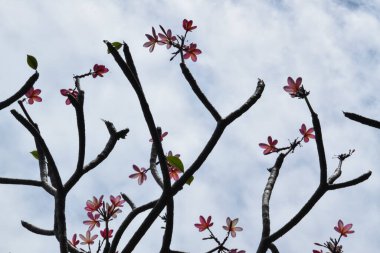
(343, 229)
(140, 175)
(191, 52)
(92, 206)
(94, 221)
(293, 87)
(106, 235)
(88, 239)
(74, 242)
(65, 93)
(167, 38)
(307, 134)
(153, 39)
(231, 226)
(204, 224)
(99, 70)
(161, 137)
(270, 147)
(188, 25)
(117, 201)
(32, 95)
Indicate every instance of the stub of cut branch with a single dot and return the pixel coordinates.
(36, 229)
(363, 120)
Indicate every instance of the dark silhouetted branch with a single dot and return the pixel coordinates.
(352, 182)
(37, 230)
(30, 182)
(363, 120)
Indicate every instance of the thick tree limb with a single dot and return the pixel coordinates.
(4, 180)
(363, 120)
(352, 182)
(21, 92)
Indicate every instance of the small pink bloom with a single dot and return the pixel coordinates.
(74, 242)
(65, 93)
(203, 225)
(104, 233)
(99, 70)
(167, 38)
(293, 87)
(191, 52)
(32, 95)
(307, 134)
(140, 175)
(94, 221)
(161, 137)
(344, 229)
(174, 172)
(117, 201)
(270, 147)
(231, 226)
(188, 25)
(153, 40)
(88, 239)
(92, 206)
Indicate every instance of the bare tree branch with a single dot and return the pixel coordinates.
(363, 120)
(37, 230)
(352, 182)
(4, 180)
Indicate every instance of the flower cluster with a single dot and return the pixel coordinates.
(333, 245)
(166, 38)
(99, 211)
(231, 228)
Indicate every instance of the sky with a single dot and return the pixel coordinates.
(332, 44)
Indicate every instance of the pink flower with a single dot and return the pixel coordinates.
(88, 239)
(344, 229)
(161, 137)
(74, 242)
(293, 87)
(188, 25)
(173, 172)
(167, 38)
(112, 211)
(32, 94)
(99, 70)
(117, 201)
(106, 235)
(307, 134)
(203, 225)
(92, 206)
(236, 251)
(153, 39)
(140, 175)
(65, 93)
(270, 147)
(94, 221)
(192, 51)
(231, 226)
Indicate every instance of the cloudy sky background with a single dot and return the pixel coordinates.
(333, 45)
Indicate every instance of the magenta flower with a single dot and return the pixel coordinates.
(344, 229)
(204, 224)
(174, 172)
(94, 221)
(74, 242)
(270, 147)
(167, 38)
(188, 25)
(99, 70)
(32, 95)
(231, 226)
(106, 235)
(88, 239)
(117, 201)
(307, 134)
(191, 52)
(140, 175)
(293, 87)
(65, 93)
(92, 206)
(153, 40)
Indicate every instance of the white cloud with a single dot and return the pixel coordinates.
(333, 45)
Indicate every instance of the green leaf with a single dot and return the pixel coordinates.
(117, 45)
(35, 154)
(32, 61)
(176, 162)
